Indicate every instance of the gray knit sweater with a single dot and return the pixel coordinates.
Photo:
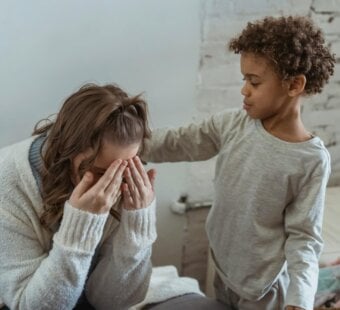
(268, 204)
(40, 269)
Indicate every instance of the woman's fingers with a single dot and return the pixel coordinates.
(131, 184)
(140, 168)
(136, 176)
(141, 191)
(114, 187)
(83, 186)
(107, 177)
(127, 198)
(152, 176)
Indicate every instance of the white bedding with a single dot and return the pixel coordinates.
(165, 283)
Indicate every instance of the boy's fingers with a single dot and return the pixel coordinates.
(83, 186)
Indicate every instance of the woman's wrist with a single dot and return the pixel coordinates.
(80, 230)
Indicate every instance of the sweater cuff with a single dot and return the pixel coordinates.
(140, 225)
(80, 230)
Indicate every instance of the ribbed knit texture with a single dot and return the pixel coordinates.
(34, 157)
(87, 229)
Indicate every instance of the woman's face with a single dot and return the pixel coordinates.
(108, 153)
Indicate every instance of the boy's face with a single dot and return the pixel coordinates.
(265, 94)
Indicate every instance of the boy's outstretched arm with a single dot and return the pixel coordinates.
(194, 142)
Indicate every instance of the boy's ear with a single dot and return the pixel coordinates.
(296, 85)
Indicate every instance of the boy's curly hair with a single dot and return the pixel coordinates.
(293, 44)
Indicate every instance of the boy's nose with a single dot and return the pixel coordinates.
(245, 90)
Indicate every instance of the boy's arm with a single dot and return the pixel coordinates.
(194, 142)
(303, 222)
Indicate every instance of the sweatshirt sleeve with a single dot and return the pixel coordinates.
(122, 274)
(194, 142)
(303, 224)
(31, 277)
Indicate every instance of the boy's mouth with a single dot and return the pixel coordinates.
(246, 105)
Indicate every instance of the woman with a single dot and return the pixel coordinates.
(77, 209)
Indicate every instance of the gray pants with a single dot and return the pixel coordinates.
(273, 300)
(188, 302)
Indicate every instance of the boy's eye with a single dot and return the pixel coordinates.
(251, 82)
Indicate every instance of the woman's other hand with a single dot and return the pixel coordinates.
(138, 191)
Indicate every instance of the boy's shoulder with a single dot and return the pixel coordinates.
(231, 118)
(321, 153)
(231, 122)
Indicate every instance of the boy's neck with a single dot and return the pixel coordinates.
(288, 125)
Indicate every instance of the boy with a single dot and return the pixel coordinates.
(264, 227)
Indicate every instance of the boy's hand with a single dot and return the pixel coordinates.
(138, 191)
(99, 197)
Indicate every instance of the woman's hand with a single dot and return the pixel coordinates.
(99, 197)
(138, 191)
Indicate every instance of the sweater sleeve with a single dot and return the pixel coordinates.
(31, 277)
(122, 274)
(194, 142)
(303, 223)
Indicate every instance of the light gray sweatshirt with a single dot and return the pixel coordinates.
(41, 269)
(268, 204)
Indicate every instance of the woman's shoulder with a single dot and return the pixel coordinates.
(16, 178)
(11, 153)
(14, 158)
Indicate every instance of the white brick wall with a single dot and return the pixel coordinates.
(329, 6)
(219, 79)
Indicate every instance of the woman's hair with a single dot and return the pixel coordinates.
(86, 117)
(294, 45)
